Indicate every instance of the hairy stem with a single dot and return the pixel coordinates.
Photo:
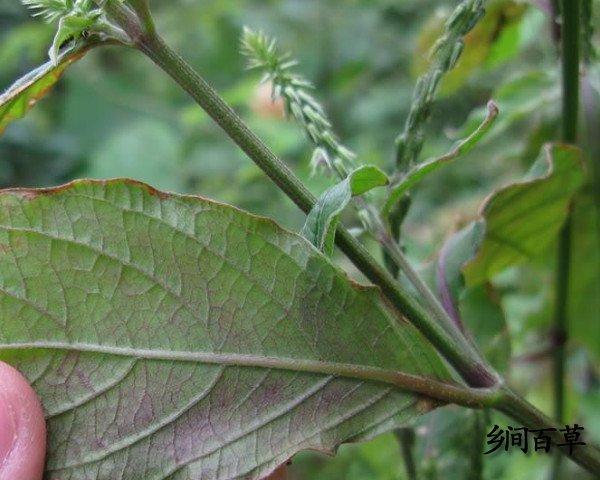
(263, 55)
(471, 369)
(428, 297)
(570, 116)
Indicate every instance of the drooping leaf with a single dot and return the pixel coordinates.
(518, 223)
(322, 220)
(474, 309)
(523, 219)
(25, 92)
(173, 337)
(461, 147)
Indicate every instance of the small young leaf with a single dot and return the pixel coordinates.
(69, 27)
(173, 337)
(421, 171)
(25, 92)
(322, 220)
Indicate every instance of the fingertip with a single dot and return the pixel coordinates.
(22, 428)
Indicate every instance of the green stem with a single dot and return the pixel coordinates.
(570, 116)
(477, 446)
(519, 409)
(392, 248)
(465, 362)
(406, 439)
(142, 9)
(428, 297)
(570, 68)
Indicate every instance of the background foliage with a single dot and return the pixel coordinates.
(113, 115)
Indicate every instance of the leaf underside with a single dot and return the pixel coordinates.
(171, 337)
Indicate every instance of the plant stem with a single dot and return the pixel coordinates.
(477, 445)
(445, 54)
(459, 353)
(391, 247)
(292, 88)
(437, 310)
(570, 115)
(406, 439)
(519, 409)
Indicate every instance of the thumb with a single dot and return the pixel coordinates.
(22, 428)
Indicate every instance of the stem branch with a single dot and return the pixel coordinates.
(570, 116)
(406, 439)
(465, 361)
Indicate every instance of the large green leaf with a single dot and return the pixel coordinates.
(173, 337)
(25, 92)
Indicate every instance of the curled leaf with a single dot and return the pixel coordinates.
(521, 220)
(322, 220)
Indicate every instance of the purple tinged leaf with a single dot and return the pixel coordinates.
(173, 337)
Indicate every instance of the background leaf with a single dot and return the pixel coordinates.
(518, 223)
(25, 92)
(523, 219)
(584, 281)
(173, 337)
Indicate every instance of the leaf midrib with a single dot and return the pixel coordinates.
(404, 381)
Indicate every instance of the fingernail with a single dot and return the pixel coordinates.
(8, 429)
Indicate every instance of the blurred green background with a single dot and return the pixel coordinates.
(115, 115)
